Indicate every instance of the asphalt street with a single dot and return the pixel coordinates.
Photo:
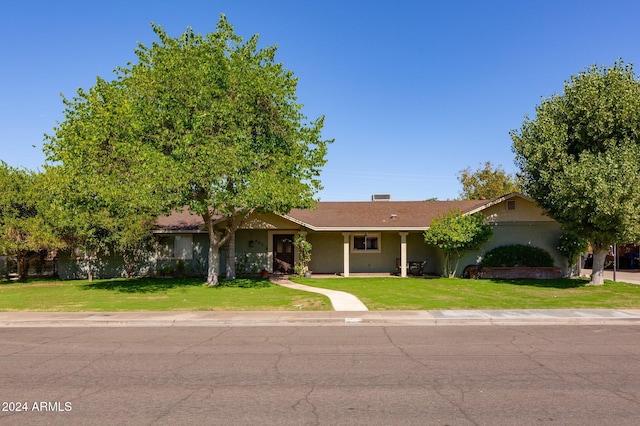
(331, 375)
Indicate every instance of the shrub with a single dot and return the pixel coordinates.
(571, 246)
(303, 247)
(517, 255)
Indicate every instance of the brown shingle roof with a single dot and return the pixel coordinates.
(378, 215)
(356, 215)
(180, 221)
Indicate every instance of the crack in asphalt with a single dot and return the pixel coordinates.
(167, 411)
(307, 400)
(449, 398)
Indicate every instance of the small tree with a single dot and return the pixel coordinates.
(24, 231)
(486, 182)
(455, 233)
(571, 246)
(303, 248)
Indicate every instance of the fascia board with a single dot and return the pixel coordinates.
(179, 231)
(498, 201)
(353, 228)
(367, 229)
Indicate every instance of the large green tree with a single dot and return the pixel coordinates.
(106, 189)
(579, 157)
(455, 234)
(209, 122)
(23, 229)
(487, 181)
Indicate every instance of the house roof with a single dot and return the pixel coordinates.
(381, 215)
(353, 215)
(180, 221)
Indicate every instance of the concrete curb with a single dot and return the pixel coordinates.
(319, 318)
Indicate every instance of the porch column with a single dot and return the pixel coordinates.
(345, 269)
(403, 253)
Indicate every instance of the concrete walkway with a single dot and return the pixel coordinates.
(340, 300)
(631, 276)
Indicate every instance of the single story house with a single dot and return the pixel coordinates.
(347, 237)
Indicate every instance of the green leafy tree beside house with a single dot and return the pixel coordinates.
(24, 231)
(455, 234)
(210, 122)
(578, 158)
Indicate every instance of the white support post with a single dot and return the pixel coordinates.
(347, 238)
(403, 253)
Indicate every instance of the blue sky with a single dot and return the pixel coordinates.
(413, 91)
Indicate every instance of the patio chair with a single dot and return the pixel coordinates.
(417, 268)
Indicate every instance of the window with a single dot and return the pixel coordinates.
(175, 247)
(511, 204)
(365, 243)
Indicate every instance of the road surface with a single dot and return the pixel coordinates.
(346, 375)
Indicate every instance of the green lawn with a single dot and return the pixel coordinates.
(188, 294)
(184, 294)
(394, 293)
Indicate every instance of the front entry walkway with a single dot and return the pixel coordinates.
(340, 300)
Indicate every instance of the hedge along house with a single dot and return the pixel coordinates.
(356, 237)
(347, 237)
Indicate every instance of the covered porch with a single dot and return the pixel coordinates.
(362, 253)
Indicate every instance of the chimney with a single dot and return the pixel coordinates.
(381, 197)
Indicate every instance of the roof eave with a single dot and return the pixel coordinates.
(495, 201)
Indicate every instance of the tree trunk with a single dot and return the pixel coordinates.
(215, 242)
(90, 270)
(597, 272)
(214, 259)
(454, 271)
(447, 265)
(231, 257)
(23, 266)
(214, 253)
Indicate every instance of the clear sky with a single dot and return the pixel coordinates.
(413, 91)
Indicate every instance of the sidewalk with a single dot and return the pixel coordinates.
(631, 276)
(321, 318)
(340, 300)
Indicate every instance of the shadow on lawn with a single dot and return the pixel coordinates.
(143, 285)
(550, 283)
(153, 285)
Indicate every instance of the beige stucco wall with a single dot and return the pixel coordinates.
(525, 225)
(525, 211)
(328, 252)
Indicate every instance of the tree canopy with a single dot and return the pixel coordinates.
(455, 233)
(210, 122)
(579, 157)
(23, 228)
(487, 181)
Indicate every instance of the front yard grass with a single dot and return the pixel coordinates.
(179, 294)
(392, 293)
(379, 293)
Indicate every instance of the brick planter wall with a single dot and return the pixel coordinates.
(515, 272)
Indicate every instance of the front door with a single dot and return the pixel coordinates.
(283, 253)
